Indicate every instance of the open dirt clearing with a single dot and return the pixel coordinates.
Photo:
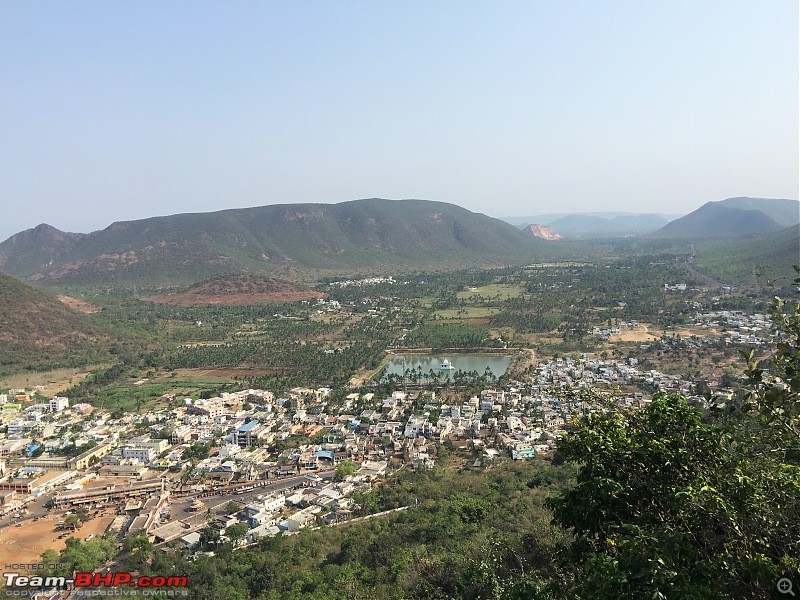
(51, 382)
(80, 305)
(25, 544)
(638, 334)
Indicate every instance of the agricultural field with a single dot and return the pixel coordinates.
(495, 291)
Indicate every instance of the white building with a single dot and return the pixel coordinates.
(143, 454)
(59, 403)
(272, 504)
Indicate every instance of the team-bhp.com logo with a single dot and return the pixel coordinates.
(157, 585)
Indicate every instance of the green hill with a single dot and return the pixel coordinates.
(757, 258)
(279, 239)
(38, 332)
(733, 217)
(784, 212)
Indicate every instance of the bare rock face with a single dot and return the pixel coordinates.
(541, 231)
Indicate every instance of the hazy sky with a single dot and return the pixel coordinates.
(123, 110)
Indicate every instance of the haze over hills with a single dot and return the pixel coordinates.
(596, 224)
(588, 226)
(733, 217)
(276, 239)
(784, 212)
(548, 218)
(308, 240)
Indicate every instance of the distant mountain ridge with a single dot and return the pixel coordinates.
(586, 226)
(595, 225)
(784, 212)
(548, 218)
(276, 239)
(734, 217)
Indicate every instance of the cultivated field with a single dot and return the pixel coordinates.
(494, 290)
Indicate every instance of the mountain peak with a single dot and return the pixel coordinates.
(343, 238)
(734, 217)
(36, 247)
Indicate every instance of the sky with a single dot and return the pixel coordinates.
(121, 110)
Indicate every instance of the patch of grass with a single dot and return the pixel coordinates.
(492, 291)
(140, 398)
(193, 377)
(468, 312)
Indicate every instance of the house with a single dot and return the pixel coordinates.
(255, 515)
(140, 454)
(373, 469)
(248, 434)
(190, 540)
(58, 403)
(265, 530)
(417, 426)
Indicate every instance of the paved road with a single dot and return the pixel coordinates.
(215, 498)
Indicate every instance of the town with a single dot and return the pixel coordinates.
(252, 464)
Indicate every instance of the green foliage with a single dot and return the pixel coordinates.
(759, 258)
(72, 451)
(345, 469)
(196, 451)
(138, 551)
(773, 402)
(232, 507)
(466, 534)
(431, 335)
(81, 556)
(40, 333)
(670, 503)
(291, 363)
(527, 322)
(236, 533)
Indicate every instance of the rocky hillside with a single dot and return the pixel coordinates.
(542, 232)
(238, 290)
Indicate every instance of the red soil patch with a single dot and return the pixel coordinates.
(234, 290)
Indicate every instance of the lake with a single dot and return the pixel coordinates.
(497, 364)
